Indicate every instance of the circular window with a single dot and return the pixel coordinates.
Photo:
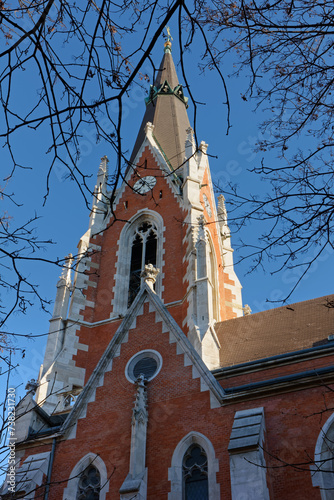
(147, 363)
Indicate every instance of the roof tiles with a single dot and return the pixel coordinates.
(276, 331)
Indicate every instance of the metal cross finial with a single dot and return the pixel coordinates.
(168, 43)
(169, 36)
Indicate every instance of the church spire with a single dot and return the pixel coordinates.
(166, 109)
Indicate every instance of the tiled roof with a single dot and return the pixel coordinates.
(276, 331)
(169, 116)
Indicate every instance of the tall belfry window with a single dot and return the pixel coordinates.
(195, 474)
(143, 251)
(141, 242)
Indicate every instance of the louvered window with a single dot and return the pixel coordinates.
(147, 363)
(195, 474)
(146, 366)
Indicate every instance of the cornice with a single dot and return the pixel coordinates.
(274, 361)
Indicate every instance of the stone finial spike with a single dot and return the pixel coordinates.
(63, 289)
(222, 212)
(65, 276)
(201, 220)
(31, 387)
(190, 147)
(149, 127)
(102, 177)
(203, 147)
(222, 217)
(247, 310)
(201, 235)
(103, 168)
(100, 197)
(190, 134)
(149, 274)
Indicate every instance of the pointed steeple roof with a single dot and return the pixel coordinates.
(166, 108)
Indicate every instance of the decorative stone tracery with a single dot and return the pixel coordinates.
(144, 230)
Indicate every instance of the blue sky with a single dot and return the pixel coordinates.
(64, 218)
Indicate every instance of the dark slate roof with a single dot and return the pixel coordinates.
(168, 114)
(277, 331)
(52, 423)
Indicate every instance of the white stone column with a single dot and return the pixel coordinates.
(100, 198)
(139, 429)
(56, 331)
(191, 182)
(203, 292)
(135, 484)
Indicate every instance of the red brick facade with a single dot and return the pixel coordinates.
(176, 406)
(271, 406)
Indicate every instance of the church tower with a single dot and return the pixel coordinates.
(163, 214)
(154, 385)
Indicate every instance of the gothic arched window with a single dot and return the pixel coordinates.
(322, 469)
(195, 474)
(89, 484)
(143, 251)
(88, 479)
(141, 242)
(194, 458)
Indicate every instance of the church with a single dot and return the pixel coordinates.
(157, 382)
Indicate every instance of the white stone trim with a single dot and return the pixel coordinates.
(120, 302)
(322, 470)
(175, 471)
(70, 492)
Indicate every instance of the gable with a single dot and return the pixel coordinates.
(147, 325)
(151, 160)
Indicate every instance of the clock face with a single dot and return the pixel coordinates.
(145, 184)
